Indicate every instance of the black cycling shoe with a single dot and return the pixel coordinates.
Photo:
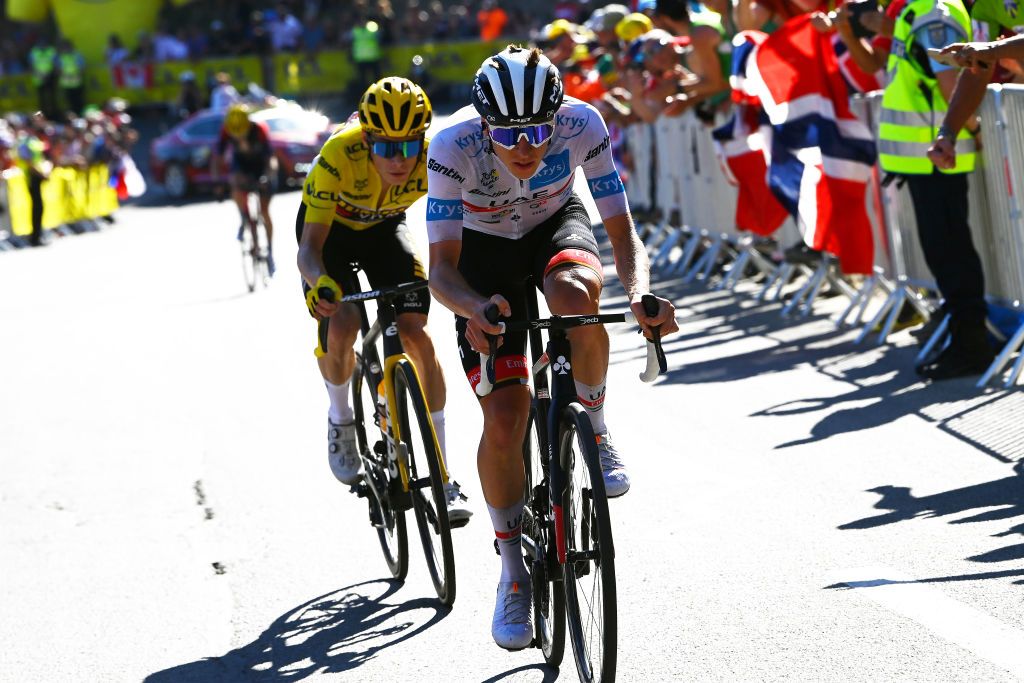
(956, 361)
(800, 253)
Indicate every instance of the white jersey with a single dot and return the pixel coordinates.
(468, 186)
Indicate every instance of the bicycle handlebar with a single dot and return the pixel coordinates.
(656, 361)
(327, 294)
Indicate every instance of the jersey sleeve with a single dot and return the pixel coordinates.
(599, 168)
(445, 177)
(321, 189)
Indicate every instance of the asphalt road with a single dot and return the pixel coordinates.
(802, 508)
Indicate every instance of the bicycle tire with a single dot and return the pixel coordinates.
(250, 265)
(431, 510)
(548, 590)
(391, 526)
(587, 526)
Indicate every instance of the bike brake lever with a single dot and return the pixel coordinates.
(656, 362)
(326, 294)
(486, 383)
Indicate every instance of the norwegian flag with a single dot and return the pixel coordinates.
(743, 144)
(821, 154)
(131, 75)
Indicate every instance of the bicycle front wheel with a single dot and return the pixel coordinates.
(250, 262)
(429, 502)
(387, 518)
(589, 568)
(541, 555)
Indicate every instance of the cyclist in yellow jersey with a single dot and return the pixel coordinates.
(353, 216)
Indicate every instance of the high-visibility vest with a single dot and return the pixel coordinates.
(70, 70)
(366, 42)
(913, 106)
(42, 60)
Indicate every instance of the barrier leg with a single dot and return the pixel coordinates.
(735, 272)
(939, 336)
(890, 301)
(708, 257)
(668, 245)
(712, 257)
(1011, 347)
(819, 279)
(859, 300)
(689, 251)
(803, 292)
(890, 320)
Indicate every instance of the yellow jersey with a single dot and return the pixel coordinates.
(343, 184)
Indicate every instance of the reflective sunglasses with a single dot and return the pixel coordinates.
(509, 137)
(387, 148)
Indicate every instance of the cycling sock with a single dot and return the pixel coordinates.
(437, 417)
(340, 411)
(507, 528)
(592, 398)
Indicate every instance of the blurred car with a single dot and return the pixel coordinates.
(181, 158)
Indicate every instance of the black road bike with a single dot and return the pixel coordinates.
(402, 463)
(567, 534)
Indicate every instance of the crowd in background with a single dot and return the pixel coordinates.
(261, 27)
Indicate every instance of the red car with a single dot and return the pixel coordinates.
(180, 159)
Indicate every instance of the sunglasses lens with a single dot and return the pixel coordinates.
(509, 137)
(386, 150)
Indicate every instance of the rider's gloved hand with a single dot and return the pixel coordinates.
(317, 305)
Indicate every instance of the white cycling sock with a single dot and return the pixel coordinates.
(437, 417)
(592, 398)
(340, 411)
(507, 528)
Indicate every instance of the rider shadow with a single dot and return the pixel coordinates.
(550, 674)
(334, 633)
(1000, 499)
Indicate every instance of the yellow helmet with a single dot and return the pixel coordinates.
(395, 107)
(633, 26)
(236, 122)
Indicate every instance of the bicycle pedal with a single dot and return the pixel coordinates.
(458, 523)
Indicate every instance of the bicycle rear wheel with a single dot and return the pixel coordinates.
(539, 530)
(589, 568)
(388, 519)
(250, 264)
(429, 503)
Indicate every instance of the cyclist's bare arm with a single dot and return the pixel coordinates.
(633, 268)
(451, 289)
(311, 262)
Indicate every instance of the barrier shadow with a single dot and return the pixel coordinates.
(334, 633)
(996, 500)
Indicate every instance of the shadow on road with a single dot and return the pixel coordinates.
(333, 633)
(991, 501)
(550, 674)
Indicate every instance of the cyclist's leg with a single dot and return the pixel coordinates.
(337, 365)
(264, 193)
(240, 195)
(571, 270)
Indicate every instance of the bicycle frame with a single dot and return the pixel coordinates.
(387, 324)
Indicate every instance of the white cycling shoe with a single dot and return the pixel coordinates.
(616, 479)
(343, 453)
(512, 626)
(458, 511)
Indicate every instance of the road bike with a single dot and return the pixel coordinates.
(566, 528)
(252, 235)
(402, 464)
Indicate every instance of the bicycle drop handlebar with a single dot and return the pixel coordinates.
(656, 362)
(327, 294)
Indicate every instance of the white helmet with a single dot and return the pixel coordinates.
(517, 86)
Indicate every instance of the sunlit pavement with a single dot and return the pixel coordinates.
(802, 508)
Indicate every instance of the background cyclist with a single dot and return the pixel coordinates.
(250, 169)
(501, 183)
(353, 213)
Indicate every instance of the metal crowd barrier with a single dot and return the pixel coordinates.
(707, 203)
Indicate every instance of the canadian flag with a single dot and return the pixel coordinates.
(132, 75)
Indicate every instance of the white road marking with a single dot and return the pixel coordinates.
(961, 624)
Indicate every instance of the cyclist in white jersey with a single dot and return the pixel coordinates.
(501, 212)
